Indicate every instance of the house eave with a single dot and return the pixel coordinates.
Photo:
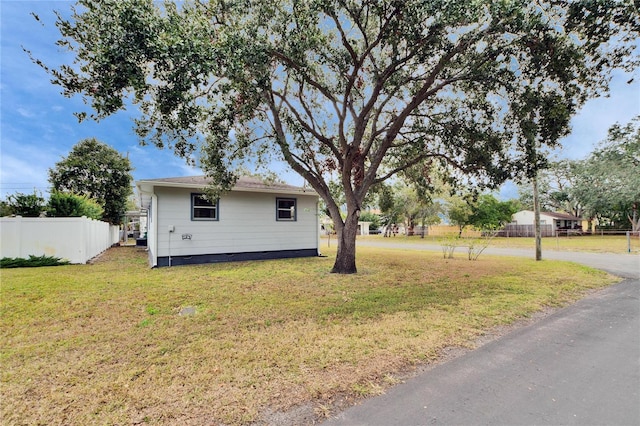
(557, 216)
(147, 187)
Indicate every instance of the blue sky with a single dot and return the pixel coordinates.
(38, 128)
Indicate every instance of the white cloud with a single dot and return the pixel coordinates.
(25, 113)
(19, 175)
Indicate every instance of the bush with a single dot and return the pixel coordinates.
(26, 205)
(448, 243)
(371, 217)
(63, 204)
(32, 262)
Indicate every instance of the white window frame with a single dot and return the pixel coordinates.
(292, 209)
(215, 206)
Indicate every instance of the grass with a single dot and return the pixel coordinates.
(586, 243)
(107, 343)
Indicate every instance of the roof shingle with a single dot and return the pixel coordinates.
(243, 183)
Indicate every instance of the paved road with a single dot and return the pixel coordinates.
(578, 366)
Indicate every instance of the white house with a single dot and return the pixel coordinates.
(558, 222)
(255, 220)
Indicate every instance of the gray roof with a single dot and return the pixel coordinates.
(244, 183)
(556, 215)
(563, 216)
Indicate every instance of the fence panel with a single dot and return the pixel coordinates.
(446, 230)
(76, 239)
(525, 231)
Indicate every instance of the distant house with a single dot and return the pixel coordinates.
(326, 226)
(554, 223)
(255, 220)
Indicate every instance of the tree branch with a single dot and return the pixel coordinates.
(328, 142)
(291, 63)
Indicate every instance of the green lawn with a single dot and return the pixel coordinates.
(106, 343)
(590, 243)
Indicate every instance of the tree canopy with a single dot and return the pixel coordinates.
(358, 90)
(604, 186)
(608, 182)
(96, 171)
(407, 204)
(484, 213)
(555, 182)
(488, 213)
(26, 205)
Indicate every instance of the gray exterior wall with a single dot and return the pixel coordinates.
(246, 224)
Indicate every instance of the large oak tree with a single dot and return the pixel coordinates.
(358, 90)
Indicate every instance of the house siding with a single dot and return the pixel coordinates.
(526, 218)
(152, 239)
(246, 224)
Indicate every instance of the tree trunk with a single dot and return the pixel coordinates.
(410, 228)
(635, 223)
(346, 256)
(536, 217)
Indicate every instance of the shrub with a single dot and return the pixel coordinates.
(31, 262)
(64, 204)
(26, 205)
(371, 217)
(448, 243)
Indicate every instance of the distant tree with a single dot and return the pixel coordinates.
(132, 203)
(26, 205)
(608, 181)
(488, 213)
(5, 209)
(483, 212)
(409, 205)
(97, 171)
(362, 90)
(390, 210)
(371, 217)
(459, 212)
(429, 214)
(62, 204)
(555, 186)
(416, 207)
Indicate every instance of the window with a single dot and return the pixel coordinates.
(203, 209)
(286, 209)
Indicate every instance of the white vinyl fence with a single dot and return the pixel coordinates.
(76, 239)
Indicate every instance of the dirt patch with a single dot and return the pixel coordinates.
(116, 252)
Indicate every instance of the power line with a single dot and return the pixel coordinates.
(4, 187)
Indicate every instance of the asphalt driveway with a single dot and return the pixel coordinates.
(578, 366)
